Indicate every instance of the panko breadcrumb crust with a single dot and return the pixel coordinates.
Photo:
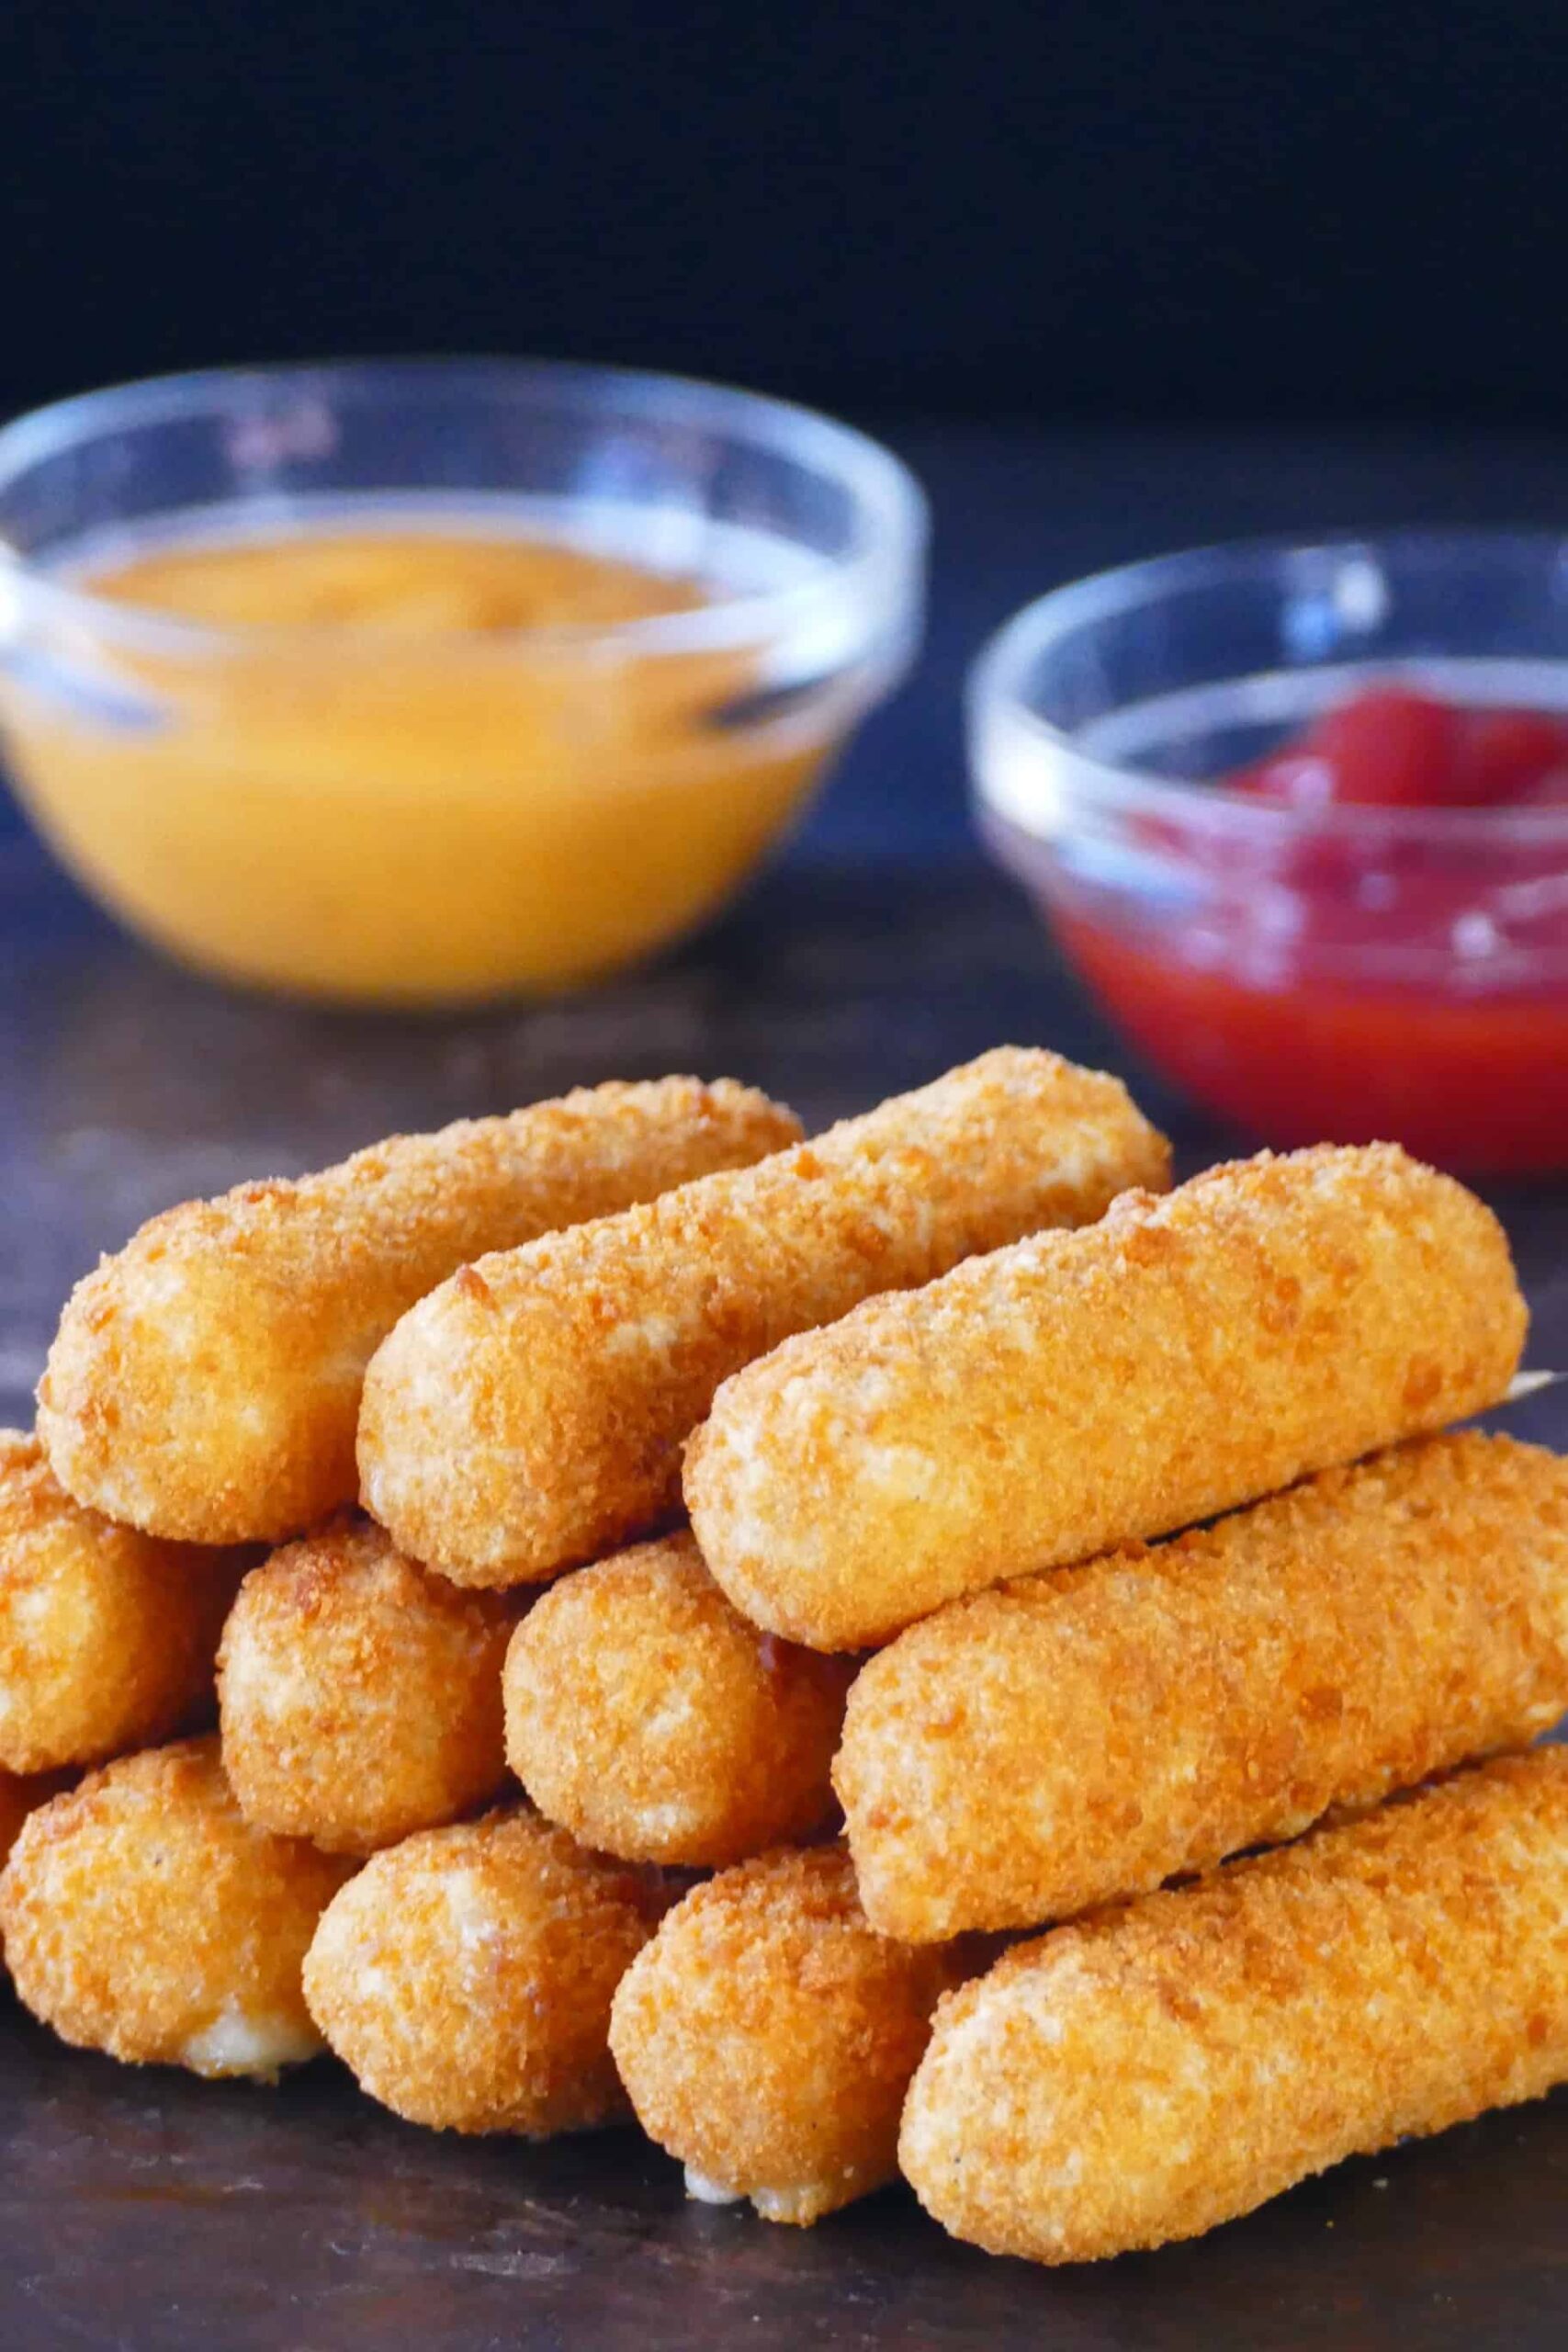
(106, 1636)
(651, 1720)
(1156, 2070)
(19, 1796)
(1272, 1317)
(510, 1332)
(142, 1914)
(465, 1976)
(767, 2034)
(1092, 1732)
(529, 1414)
(360, 1696)
(205, 1380)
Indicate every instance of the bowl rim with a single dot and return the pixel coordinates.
(884, 559)
(997, 711)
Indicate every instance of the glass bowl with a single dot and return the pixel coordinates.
(451, 812)
(1307, 973)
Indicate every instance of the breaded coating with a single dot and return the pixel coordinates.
(767, 2035)
(205, 1381)
(465, 1976)
(142, 1914)
(21, 1794)
(18, 1797)
(1159, 2069)
(529, 1414)
(654, 1723)
(1093, 1731)
(1272, 1317)
(360, 1696)
(107, 1637)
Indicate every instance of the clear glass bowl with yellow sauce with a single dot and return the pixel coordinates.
(422, 682)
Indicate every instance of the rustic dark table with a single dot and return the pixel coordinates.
(149, 2211)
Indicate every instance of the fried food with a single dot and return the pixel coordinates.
(1090, 1731)
(360, 1696)
(465, 1976)
(205, 1382)
(654, 1723)
(20, 1795)
(529, 1414)
(1157, 2069)
(767, 2035)
(1272, 1318)
(107, 1637)
(142, 1914)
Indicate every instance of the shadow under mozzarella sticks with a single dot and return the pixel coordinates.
(1090, 1731)
(1270, 1318)
(1162, 2067)
(204, 1384)
(530, 1413)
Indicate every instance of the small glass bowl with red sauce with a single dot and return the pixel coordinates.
(1298, 815)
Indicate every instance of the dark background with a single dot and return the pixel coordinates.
(1115, 275)
(1048, 208)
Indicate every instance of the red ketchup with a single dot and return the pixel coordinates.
(1355, 982)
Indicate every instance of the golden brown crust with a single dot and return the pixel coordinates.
(107, 1637)
(652, 1722)
(18, 1797)
(205, 1381)
(360, 1696)
(1157, 2069)
(21, 1794)
(767, 2034)
(1090, 1731)
(465, 1976)
(1270, 1318)
(142, 1916)
(530, 1415)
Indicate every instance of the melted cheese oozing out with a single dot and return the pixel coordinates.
(709, 2192)
(234, 2043)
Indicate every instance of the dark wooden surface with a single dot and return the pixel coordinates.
(147, 2211)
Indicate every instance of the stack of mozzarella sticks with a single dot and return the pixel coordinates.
(800, 1523)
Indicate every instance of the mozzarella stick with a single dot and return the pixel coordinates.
(767, 2035)
(654, 1723)
(465, 1976)
(1159, 2069)
(21, 1794)
(107, 1637)
(1090, 1731)
(1272, 1318)
(360, 1697)
(204, 1383)
(143, 1917)
(529, 1414)
(18, 1799)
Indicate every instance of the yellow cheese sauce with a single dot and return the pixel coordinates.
(396, 764)
(415, 583)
